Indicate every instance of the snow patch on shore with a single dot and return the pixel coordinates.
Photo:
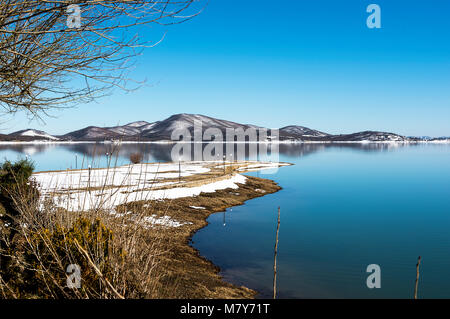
(197, 207)
(94, 189)
(139, 175)
(150, 221)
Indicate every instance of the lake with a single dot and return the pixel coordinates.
(343, 207)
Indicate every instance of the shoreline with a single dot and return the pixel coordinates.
(171, 209)
(444, 141)
(107, 188)
(200, 277)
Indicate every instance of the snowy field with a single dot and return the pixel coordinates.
(106, 188)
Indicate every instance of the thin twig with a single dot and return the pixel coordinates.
(99, 273)
(417, 278)
(275, 259)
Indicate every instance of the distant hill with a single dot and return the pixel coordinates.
(162, 130)
(89, 133)
(296, 132)
(31, 134)
(96, 133)
(371, 136)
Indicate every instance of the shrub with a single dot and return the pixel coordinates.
(136, 158)
(14, 176)
(15, 185)
(41, 262)
(38, 240)
(2, 210)
(15, 190)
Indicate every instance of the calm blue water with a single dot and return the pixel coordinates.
(343, 207)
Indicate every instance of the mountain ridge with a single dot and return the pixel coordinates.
(163, 130)
(32, 133)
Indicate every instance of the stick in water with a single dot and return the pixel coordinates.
(417, 278)
(275, 259)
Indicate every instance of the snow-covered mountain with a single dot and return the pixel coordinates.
(131, 130)
(33, 134)
(300, 133)
(369, 136)
(162, 130)
(295, 132)
(445, 139)
(88, 133)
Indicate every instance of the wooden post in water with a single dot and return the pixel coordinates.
(224, 157)
(417, 278)
(89, 178)
(275, 259)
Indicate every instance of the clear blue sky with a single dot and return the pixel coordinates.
(276, 63)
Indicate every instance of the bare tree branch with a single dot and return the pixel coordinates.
(44, 64)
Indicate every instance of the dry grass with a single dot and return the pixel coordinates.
(136, 158)
(130, 263)
(195, 276)
(140, 261)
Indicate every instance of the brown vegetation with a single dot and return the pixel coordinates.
(196, 277)
(136, 158)
(47, 61)
(119, 254)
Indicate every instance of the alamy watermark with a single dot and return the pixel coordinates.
(74, 278)
(374, 19)
(228, 145)
(374, 279)
(74, 17)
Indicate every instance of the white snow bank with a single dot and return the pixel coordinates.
(197, 207)
(114, 196)
(106, 188)
(257, 166)
(166, 221)
(150, 221)
(140, 175)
